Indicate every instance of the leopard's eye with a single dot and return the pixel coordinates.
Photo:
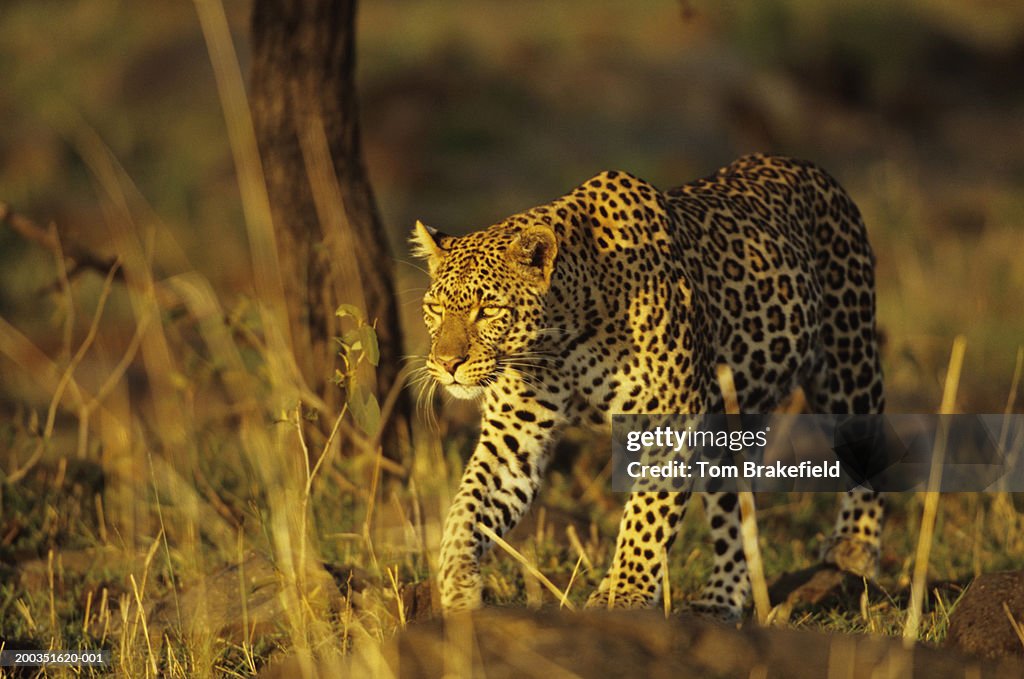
(488, 312)
(433, 308)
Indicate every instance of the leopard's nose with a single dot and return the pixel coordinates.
(450, 363)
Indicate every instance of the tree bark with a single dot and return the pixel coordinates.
(329, 234)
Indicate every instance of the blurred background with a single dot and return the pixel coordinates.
(475, 110)
(112, 133)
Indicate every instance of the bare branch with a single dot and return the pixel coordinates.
(80, 257)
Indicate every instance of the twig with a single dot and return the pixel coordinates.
(748, 516)
(572, 578)
(931, 496)
(1017, 628)
(67, 382)
(32, 232)
(574, 540)
(666, 591)
(515, 554)
(752, 550)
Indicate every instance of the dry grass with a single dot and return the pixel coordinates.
(160, 501)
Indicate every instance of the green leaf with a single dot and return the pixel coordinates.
(355, 400)
(350, 311)
(364, 408)
(368, 339)
(372, 420)
(350, 339)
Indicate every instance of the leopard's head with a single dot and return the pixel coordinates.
(485, 307)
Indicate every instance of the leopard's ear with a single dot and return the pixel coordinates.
(533, 252)
(426, 244)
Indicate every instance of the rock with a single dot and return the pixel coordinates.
(821, 585)
(215, 605)
(980, 623)
(419, 601)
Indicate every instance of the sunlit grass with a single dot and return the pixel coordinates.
(166, 506)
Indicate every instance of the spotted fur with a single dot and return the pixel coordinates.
(620, 298)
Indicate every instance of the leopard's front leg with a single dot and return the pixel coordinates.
(646, 532)
(498, 486)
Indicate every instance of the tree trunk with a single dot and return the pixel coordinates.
(331, 242)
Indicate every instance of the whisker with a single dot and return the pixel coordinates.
(527, 366)
(532, 354)
(539, 362)
(425, 403)
(411, 265)
(529, 358)
(529, 380)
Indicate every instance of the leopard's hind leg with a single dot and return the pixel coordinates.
(847, 379)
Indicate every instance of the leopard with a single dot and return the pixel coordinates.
(620, 298)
